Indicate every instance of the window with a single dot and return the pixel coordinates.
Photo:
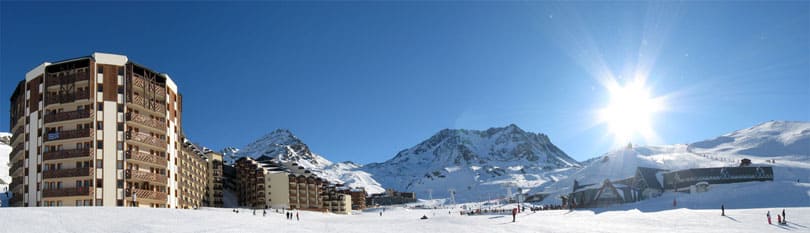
(121, 71)
(100, 125)
(119, 165)
(100, 107)
(100, 144)
(99, 164)
(120, 126)
(120, 108)
(100, 69)
(100, 87)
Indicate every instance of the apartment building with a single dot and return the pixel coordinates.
(266, 182)
(98, 130)
(193, 176)
(215, 183)
(336, 199)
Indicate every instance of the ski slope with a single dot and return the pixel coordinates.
(77, 219)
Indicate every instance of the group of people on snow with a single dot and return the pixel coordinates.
(781, 219)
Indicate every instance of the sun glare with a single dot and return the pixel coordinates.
(630, 112)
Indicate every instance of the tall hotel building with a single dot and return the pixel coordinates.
(99, 131)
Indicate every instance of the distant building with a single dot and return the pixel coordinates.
(683, 179)
(358, 198)
(391, 197)
(336, 200)
(215, 184)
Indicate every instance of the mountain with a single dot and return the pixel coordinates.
(5, 179)
(477, 164)
(286, 147)
(773, 138)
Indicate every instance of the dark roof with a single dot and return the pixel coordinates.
(648, 176)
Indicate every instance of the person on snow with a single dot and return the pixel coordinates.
(264, 213)
(424, 217)
(779, 218)
(722, 210)
(296, 216)
(784, 218)
(514, 213)
(380, 213)
(769, 217)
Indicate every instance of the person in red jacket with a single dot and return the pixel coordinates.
(514, 212)
(769, 217)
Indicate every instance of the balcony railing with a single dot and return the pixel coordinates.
(70, 78)
(138, 81)
(143, 120)
(67, 192)
(146, 139)
(68, 134)
(66, 154)
(17, 149)
(65, 173)
(146, 157)
(146, 176)
(147, 104)
(139, 194)
(18, 132)
(16, 180)
(66, 98)
(69, 115)
(16, 165)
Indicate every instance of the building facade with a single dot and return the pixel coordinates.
(96, 131)
(266, 182)
(215, 184)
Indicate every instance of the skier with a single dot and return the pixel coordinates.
(784, 218)
(296, 216)
(779, 218)
(380, 213)
(264, 213)
(769, 217)
(254, 212)
(722, 210)
(514, 213)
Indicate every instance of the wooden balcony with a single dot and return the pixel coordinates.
(17, 149)
(145, 176)
(67, 154)
(81, 75)
(69, 115)
(146, 139)
(15, 181)
(67, 173)
(67, 192)
(146, 121)
(138, 81)
(68, 134)
(154, 106)
(15, 166)
(141, 194)
(66, 98)
(146, 158)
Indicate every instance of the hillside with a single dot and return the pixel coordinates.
(285, 146)
(477, 164)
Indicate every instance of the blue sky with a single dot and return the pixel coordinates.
(361, 81)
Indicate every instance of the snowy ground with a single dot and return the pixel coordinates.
(77, 219)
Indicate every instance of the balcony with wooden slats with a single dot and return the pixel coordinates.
(68, 77)
(136, 175)
(66, 98)
(68, 134)
(146, 138)
(154, 106)
(67, 173)
(67, 192)
(146, 121)
(69, 115)
(140, 195)
(143, 157)
(68, 154)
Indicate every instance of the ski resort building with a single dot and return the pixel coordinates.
(266, 182)
(98, 130)
(193, 178)
(215, 183)
(391, 197)
(684, 179)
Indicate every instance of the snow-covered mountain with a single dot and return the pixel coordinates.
(786, 142)
(5, 179)
(478, 164)
(286, 147)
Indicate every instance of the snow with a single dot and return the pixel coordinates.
(5, 151)
(89, 219)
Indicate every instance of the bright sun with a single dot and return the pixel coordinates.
(630, 111)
